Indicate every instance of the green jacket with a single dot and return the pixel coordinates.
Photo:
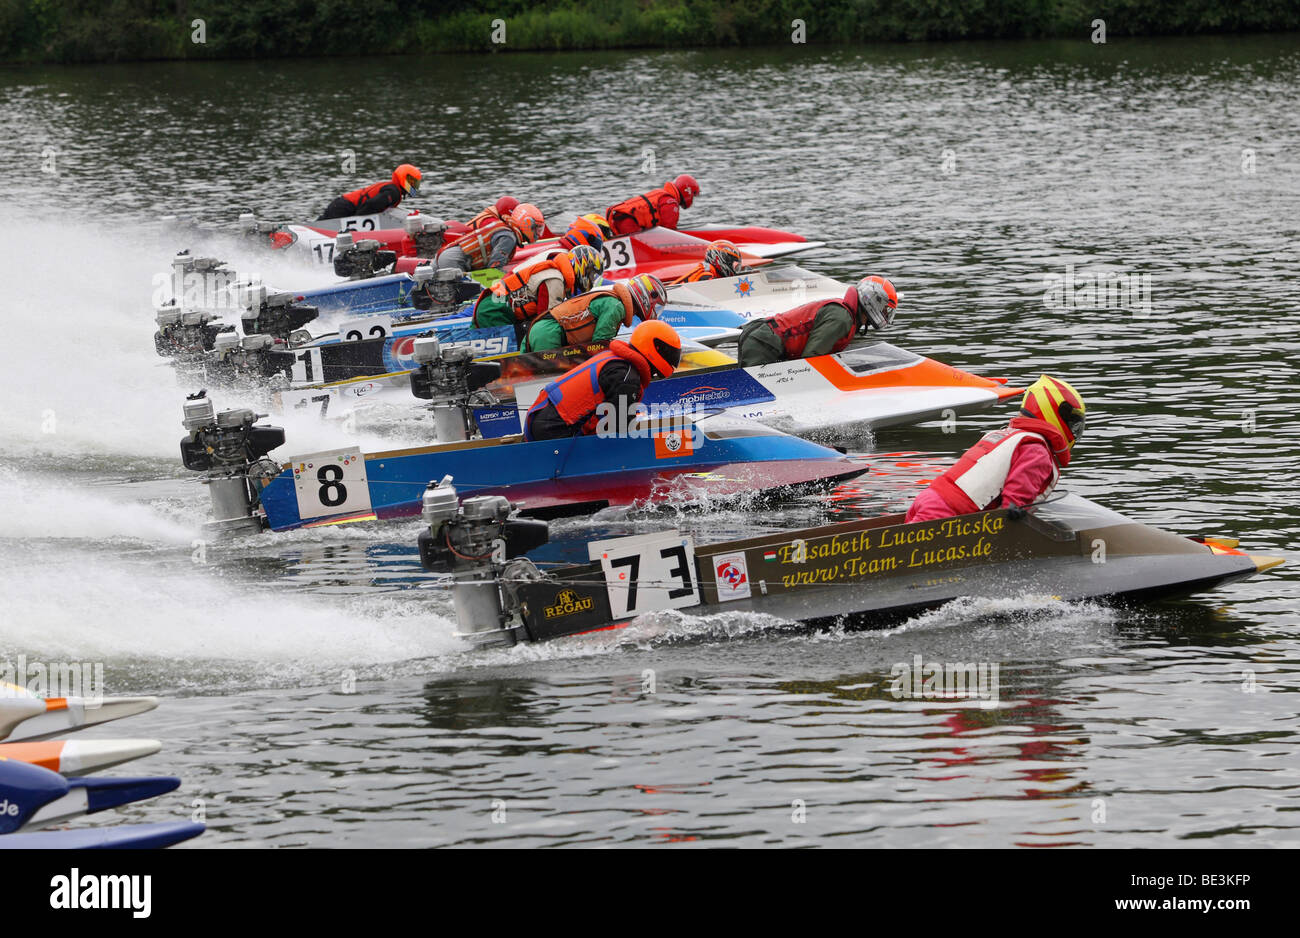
(546, 333)
(831, 324)
(493, 311)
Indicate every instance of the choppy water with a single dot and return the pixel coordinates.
(1174, 159)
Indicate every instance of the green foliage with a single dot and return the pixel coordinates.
(115, 30)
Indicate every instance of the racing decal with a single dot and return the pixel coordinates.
(569, 603)
(485, 342)
(732, 576)
(496, 421)
(728, 388)
(673, 443)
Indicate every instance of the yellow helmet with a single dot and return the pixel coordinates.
(600, 222)
(1054, 402)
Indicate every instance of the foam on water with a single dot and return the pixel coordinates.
(113, 610)
(34, 508)
(79, 371)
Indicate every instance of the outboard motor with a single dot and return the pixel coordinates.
(438, 288)
(202, 283)
(255, 230)
(253, 361)
(274, 314)
(426, 232)
(186, 334)
(451, 381)
(230, 450)
(359, 260)
(476, 541)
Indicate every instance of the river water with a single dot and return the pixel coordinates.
(968, 173)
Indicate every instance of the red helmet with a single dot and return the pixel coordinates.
(877, 301)
(648, 294)
(687, 189)
(505, 205)
(660, 344)
(528, 221)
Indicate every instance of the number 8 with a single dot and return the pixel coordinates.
(331, 483)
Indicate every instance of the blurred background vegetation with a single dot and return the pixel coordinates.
(129, 30)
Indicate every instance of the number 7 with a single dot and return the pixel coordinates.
(635, 563)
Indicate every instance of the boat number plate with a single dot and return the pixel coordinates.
(317, 402)
(307, 367)
(618, 255)
(647, 572)
(366, 327)
(332, 483)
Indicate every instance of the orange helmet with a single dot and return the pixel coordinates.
(648, 294)
(877, 301)
(528, 221)
(687, 189)
(407, 178)
(1057, 404)
(660, 344)
(724, 257)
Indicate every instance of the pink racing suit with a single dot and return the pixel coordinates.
(1030, 474)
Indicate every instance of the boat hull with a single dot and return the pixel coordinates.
(727, 459)
(872, 573)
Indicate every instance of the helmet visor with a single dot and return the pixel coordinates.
(1075, 421)
(669, 353)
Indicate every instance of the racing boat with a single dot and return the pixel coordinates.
(121, 837)
(338, 395)
(752, 294)
(78, 756)
(872, 386)
(679, 459)
(664, 252)
(25, 716)
(857, 574)
(37, 797)
(42, 783)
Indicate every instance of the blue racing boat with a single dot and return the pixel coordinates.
(678, 459)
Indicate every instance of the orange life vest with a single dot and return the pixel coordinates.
(575, 318)
(794, 326)
(521, 286)
(365, 193)
(477, 243)
(642, 209)
(488, 214)
(577, 393)
(701, 271)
